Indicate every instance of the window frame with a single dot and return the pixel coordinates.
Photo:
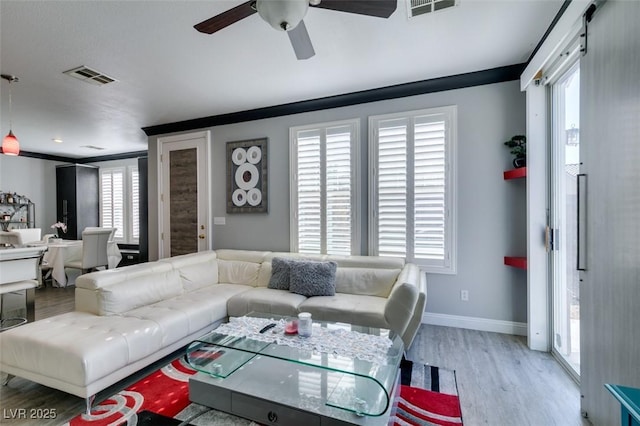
(129, 217)
(127, 193)
(449, 264)
(356, 196)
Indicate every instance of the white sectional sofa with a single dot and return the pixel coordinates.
(129, 317)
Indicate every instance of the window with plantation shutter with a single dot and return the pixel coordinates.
(412, 187)
(134, 190)
(119, 202)
(324, 203)
(112, 200)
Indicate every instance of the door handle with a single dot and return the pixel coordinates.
(582, 222)
(201, 236)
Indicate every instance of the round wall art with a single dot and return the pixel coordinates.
(247, 176)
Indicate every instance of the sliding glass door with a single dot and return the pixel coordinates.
(562, 236)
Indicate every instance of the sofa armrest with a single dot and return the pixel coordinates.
(402, 300)
(412, 329)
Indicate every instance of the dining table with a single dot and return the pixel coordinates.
(61, 251)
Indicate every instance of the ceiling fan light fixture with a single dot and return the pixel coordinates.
(283, 15)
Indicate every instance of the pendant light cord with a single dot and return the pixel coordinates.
(10, 79)
(10, 109)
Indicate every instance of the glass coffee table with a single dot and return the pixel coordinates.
(343, 374)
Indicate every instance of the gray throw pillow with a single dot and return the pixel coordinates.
(310, 278)
(280, 269)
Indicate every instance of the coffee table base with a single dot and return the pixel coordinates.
(268, 390)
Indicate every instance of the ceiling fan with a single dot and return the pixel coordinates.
(287, 15)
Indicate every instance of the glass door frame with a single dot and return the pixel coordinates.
(556, 210)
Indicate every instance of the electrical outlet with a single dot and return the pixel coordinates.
(464, 295)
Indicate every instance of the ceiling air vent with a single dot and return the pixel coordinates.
(97, 148)
(90, 76)
(420, 7)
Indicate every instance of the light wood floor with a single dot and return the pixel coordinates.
(500, 381)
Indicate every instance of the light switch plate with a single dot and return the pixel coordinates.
(220, 220)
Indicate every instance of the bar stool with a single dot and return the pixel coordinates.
(28, 288)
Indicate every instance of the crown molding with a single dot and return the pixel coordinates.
(459, 81)
(62, 159)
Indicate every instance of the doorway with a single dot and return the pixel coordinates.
(183, 194)
(562, 235)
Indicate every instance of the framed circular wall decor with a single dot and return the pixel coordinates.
(247, 189)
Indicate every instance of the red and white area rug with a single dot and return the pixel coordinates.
(428, 396)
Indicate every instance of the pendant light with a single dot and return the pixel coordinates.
(10, 144)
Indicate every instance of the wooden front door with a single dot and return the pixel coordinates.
(184, 194)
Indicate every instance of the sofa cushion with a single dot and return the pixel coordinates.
(280, 270)
(141, 291)
(264, 274)
(310, 278)
(349, 308)
(199, 275)
(376, 262)
(279, 302)
(101, 279)
(366, 281)
(189, 312)
(238, 272)
(196, 269)
(243, 255)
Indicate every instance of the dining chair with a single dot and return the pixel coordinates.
(95, 228)
(94, 250)
(28, 235)
(9, 237)
(19, 237)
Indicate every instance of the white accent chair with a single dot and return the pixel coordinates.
(94, 250)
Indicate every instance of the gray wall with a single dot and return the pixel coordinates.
(35, 179)
(491, 211)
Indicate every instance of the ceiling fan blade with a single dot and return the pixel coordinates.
(301, 42)
(227, 18)
(378, 8)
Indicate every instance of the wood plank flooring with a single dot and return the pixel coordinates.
(500, 381)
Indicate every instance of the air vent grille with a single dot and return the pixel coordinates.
(97, 148)
(420, 7)
(89, 75)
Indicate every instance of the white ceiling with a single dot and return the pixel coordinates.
(167, 71)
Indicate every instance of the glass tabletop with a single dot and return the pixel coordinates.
(361, 363)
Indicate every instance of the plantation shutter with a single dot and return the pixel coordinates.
(135, 205)
(323, 195)
(112, 208)
(429, 188)
(338, 190)
(309, 192)
(392, 188)
(411, 187)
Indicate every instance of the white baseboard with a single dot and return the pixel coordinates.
(473, 323)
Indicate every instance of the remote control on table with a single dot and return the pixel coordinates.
(267, 327)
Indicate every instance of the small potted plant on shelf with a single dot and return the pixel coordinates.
(518, 145)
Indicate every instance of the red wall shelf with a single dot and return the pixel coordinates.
(516, 262)
(515, 173)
